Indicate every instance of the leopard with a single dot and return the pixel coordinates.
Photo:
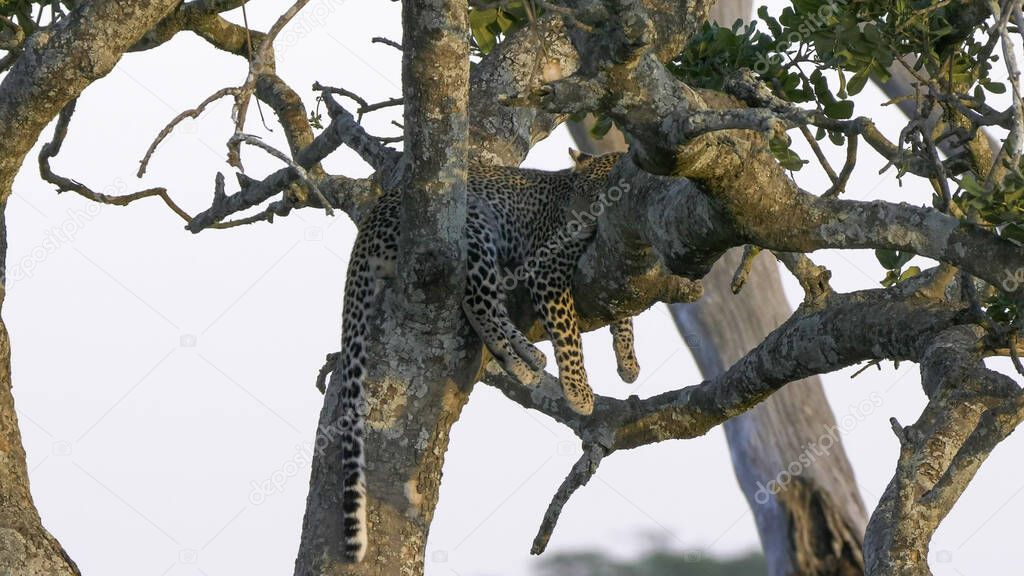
(523, 227)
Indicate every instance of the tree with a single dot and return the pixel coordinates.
(655, 562)
(707, 110)
(814, 525)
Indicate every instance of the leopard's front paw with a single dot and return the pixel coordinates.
(578, 394)
(629, 370)
(531, 355)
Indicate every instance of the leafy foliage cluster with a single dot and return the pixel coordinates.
(822, 54)
(490, 24)
(657, 562)
(855, 40)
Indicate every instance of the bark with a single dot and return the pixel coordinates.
(425, 357)
(26, 548)
(970, 410)
(814, 524)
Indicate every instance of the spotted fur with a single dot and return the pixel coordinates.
(625, 356)
(522, 226)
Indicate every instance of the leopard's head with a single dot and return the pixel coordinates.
(590, 173)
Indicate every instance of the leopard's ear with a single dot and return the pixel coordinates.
(579, 157)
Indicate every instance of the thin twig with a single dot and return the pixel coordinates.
(193, 113)
(380, 40)
(739, 278)
(303, 174)
(379, 105)
(52, 148)
(819, 154)
(844, 175)
(257, 62)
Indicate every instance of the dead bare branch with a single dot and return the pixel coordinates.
(190, 113)
(52, 148)
(582, 471)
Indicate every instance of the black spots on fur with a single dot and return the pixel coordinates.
(350, 524)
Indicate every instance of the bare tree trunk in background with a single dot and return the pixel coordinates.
(815, 524)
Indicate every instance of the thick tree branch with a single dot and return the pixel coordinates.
(58, 64)
(970, 410)
(688, 227)
(899, 323)
(812, 341)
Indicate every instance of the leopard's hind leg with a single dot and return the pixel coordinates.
(625, 355)
(485, 308)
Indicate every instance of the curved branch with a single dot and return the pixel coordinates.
(582, 471)
(970, 410)
(349, 195)
(818, 341)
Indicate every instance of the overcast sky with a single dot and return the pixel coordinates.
(164, 381)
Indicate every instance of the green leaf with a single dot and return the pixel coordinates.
(910, 273)
(480, 22)
(601, 126)
(840, 110)
(971, 185)
(504, 22)
(788, 159)
(772, 23)
(892, 259)
(890, 278)
(1014, 232)
(859, 80)
(994, 87)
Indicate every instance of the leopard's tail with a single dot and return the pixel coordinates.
(353, 405)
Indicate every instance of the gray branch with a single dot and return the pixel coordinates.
(970, 410)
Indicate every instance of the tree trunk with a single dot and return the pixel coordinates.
(26, 548)
(56, 67)
(787, 453)
(423, 355)
(407, 434)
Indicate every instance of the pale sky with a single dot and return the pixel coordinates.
(164, 381)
